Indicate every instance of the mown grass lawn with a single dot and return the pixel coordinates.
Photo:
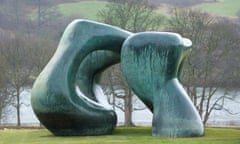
(136, 135)
(86, 9)
(227, 8)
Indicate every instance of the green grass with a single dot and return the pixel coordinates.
(85, 9)
(136, 135)
(227, 8)
(89, 9)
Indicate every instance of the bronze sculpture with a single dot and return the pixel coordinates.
(64, 97)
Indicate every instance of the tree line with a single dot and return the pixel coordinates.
(26, 45)
(211, 66)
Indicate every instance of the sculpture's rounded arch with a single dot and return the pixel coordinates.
(59, 105)
(66, 96)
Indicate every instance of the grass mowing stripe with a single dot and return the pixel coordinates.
(121, 135)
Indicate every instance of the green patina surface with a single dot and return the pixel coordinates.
(152, 63)
(67, 99)
(55, 100)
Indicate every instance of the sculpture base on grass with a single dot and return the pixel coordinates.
(66, 96)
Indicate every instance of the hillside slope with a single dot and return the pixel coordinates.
(227, 8)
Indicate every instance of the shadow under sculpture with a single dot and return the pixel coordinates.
(68, 100)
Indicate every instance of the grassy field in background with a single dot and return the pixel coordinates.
(136, 135)
(89, 9)
(86, 9)
(227, 8)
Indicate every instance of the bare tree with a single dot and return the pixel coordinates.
(24, 48)
(135, 16)
(18, 59)
(46, 14)
(5, 100)
(119, 94)
(204, 72)
(132, 15)
(41, 51)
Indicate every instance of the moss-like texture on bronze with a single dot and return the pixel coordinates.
(66, 96)
(151, 63)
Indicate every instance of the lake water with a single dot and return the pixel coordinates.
(142, 117)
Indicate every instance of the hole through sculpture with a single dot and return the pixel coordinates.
(64, 96)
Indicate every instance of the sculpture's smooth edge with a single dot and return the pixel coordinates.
(71, 132)
(47, 93)
(143, 46)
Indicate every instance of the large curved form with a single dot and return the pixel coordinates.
(67, 106)
(151, 63)
(68, 100)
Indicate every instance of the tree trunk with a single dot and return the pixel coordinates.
(128, 109)
(18, 108)
(0, 115)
